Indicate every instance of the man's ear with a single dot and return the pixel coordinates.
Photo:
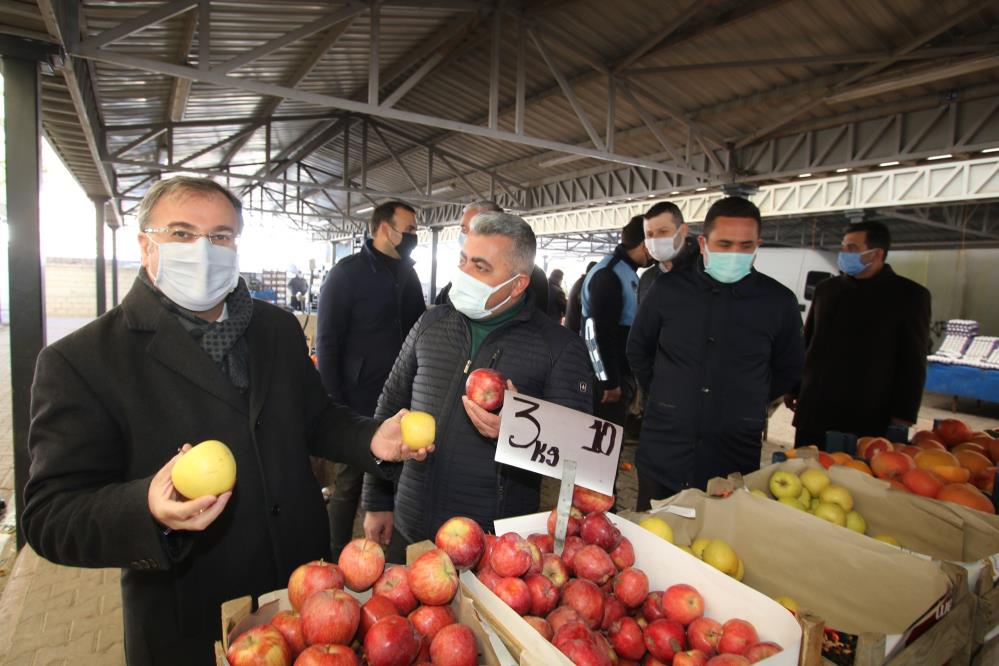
(520, 285)
(701, 242)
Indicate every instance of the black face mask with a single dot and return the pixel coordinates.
(407, 245)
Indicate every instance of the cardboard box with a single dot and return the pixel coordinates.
(665, 565)
(873, 599)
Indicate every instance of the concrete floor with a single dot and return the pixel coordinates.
(51, 614)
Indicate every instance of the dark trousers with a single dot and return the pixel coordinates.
(343, 506)
(806, 436)
(649, 489)
(396, 551)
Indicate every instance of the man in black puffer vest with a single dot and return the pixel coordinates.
(490, 320)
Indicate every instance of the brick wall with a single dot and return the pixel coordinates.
(70, 286)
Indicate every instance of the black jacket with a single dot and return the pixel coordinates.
(606, 305)
(865, 360)
(711, 356)
(538, 287)
(685, 260)
(112, 403)
(365, 312)
(460, 478)
(556, 302)
(574, 306)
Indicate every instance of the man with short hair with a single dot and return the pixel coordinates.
(367, 305)
(711, 347)
(298, 292)
(610, 300)
(666, 239)
(489, 322)
(866, 337)
(187, 356)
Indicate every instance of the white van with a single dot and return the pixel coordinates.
(798, 269)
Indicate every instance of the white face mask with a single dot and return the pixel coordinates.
(196, 276)
(469, 296)
(663, 248)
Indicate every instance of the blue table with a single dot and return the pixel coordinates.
(963, 381)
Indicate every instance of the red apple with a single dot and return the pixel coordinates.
(623, 555)
(544, 542)
(454, 645)
(649, 660)
(485, 388)
(652, 608)
(511, 556)
(487, 552)
(362, 562)
(614, 610)
(664, 638)
(392, 641)
(572, 546)
(601, 639)
(310, 578)
(683, 603)
(737, 635)
(289, 623)
(575, 522)
(585, 653)
(330, 616)
(489, 577)
(262, 645)
(463, 541)
(631, 586)
(515, 594)
(627, 638)
(571, 631)
(541, 626)
(562, 615)
(593, 563)
(588, 501)
(544, 596)
(394, 586)
(953, 431)
(690, 658)
(327, 655)
(587, 599)
(428, 620)
(433, 579)
(704, 634)
(597, 529)
(760, 651)
(537, 558)
(373, 610)
(728, 660)
(554, 569)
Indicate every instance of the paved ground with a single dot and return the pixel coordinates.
(60, 615)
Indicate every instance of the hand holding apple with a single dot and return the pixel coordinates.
(484, 387)
(169, 510)
(390, 440)
(485, 421)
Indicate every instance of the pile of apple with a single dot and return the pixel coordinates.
(595, 607)
(719, 554)
(407, 618)
(814, 492)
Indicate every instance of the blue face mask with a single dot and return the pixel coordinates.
(728, 267)
(851, 262)
(461, 238)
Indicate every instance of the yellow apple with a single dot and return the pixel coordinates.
(814, 505)
(833, 513)
(788, 603)
(793, 503)
(721, 556)
(658, 526)
(805, 497)
(206, 469)
(686, 549)
(759, 493)
(699, 545)
(418, 430)
(740, 571)
(837, 495)
(888, 539)
(815, 480)
(856, 522)
(784, 484)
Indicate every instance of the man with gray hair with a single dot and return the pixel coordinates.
(539, 283)
(489, 322)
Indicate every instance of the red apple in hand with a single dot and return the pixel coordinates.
(289, 623)
(262, 645)
(454, 645)
(683, 603)
(485, 387)
(463, 540)
(330, 616)
(394, 586)
(362, 562)
(310, 578)
(373, 610)
(433, 579)
(737, 635)
(327, 655)
(392, 641)
(664, 638)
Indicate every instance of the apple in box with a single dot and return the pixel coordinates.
(327, 655)
(394, 586)
(433, 579)
(362, 562)
(463, 540)
(373, 610)
(454, 645)
(330, 616)
(262, 645)
(392, 641)
(310, 578)
(485, 388)
(289, 623)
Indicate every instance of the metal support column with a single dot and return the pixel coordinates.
(113, 224)
(22, 128)
(102, 301)
(434, 233)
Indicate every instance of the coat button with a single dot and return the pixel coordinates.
(260, 422)
(276, 510)
(705, 389)
(711, 338)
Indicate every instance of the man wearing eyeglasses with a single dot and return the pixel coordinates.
(188, 356)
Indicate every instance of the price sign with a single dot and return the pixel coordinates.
(539, 436)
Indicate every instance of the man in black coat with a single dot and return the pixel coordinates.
(367, 305)
(556, 296)
(667, 241)
(866, 337)
(188, 356)
(574, 302)
(712, 347)
(490, 321)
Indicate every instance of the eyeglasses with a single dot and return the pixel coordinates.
(224, 238)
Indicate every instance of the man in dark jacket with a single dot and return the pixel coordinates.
(574, 302)
(187, 356)
(367, 305)
(610, 300)
(712, 347)
(667, 242)
(866, 337)
(490, 321)
(556, 296)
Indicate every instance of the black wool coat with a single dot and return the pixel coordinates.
(112, 403)
(865, 359)
(711, 356)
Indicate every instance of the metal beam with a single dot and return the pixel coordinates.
(100, 276)
(133, 26)
(494, 69)
(936, 224)
(374, 60)
(916, 78)
(180, 89)
(657, 37)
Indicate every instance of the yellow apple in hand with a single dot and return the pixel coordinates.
(418, 430)
(658, 526)
(206, 469)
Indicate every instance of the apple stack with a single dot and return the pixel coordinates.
(597, 609)
(406, 619)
